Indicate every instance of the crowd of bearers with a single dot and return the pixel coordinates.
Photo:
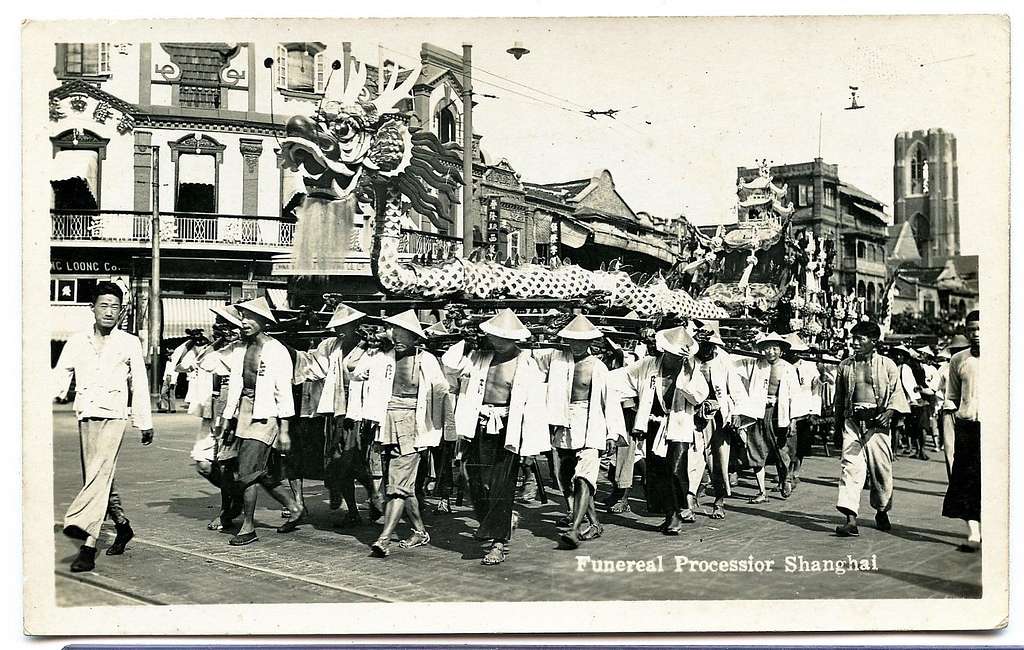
(395, 413)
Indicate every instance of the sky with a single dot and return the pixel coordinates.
(725, 92)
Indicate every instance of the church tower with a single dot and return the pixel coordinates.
(925, 192)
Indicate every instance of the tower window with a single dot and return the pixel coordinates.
(922, 234)
(918, 171)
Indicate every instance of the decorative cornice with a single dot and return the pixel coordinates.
(222, 125)
(79, 87)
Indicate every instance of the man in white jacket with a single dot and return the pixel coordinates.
(110, 384)
(584, 415)
(259, 404)
(771, 383)
(718, 413)
(667, 389)
(500, 412)
(410, 386)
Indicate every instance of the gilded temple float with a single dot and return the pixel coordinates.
(767, 274)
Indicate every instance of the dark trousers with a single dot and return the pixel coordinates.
(492, 471)
(963, 497)
(665, 481)
(441, 458)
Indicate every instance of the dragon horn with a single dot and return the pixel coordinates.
(355, 84)
(387, 100)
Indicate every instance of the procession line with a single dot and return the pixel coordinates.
(252, 567)
(96, 584)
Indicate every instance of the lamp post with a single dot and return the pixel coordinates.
(154, 281)
(467, 149)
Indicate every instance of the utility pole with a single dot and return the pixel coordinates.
(467, 149)
(154, 285)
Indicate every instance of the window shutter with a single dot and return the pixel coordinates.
(318, 78)
(282, 67)
(104, 58)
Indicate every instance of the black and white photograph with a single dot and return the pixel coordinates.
(516, 325)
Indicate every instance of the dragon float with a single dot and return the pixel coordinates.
(357, 155)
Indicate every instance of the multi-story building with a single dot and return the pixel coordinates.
(838, 211)
(210, 115)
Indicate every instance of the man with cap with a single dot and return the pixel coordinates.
(404, 393)
(771, 384)
(667, 389)
(258, 405)
(500, 413)
(718, 413)
(961, 411)
(585, 418)
(868, 394)
(930, 410)
(806, 406)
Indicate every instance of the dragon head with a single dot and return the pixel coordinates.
(351, 136)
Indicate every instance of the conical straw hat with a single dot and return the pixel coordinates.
(258, 306)
(676, 340)
(407, 320)
(505, 324)
(343, 315)
(580, 329)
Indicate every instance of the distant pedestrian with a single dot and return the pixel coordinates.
(961, 412)
(108, 367)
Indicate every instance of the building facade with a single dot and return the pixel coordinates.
(592, 224)
(925, 191)
(932, 277)
(196, 127)
(838, 211)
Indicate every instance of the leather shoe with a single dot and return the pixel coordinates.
(882, 521)
(847, 530)
(124, 535)
(86, 560)
(673, 526)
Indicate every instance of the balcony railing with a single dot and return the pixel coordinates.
(183, 227)
(863, 265)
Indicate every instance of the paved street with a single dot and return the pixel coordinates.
(174, 559)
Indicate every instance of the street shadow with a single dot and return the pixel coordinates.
(952, 588)
(919, 480)
(811, 522)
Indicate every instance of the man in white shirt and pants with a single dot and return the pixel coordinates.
(107, 365)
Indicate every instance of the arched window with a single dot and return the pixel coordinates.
(78, 158)
(447, 126)
(197, 161)
(918, 170)
(861, 290)
(861, 250)
(871, 298)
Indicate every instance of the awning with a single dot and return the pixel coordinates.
(200, 169)
(279, 298)
(71, 166)
(608, 235)
(878, 214)
(69, 319)
(180, 314)
(574, 234)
